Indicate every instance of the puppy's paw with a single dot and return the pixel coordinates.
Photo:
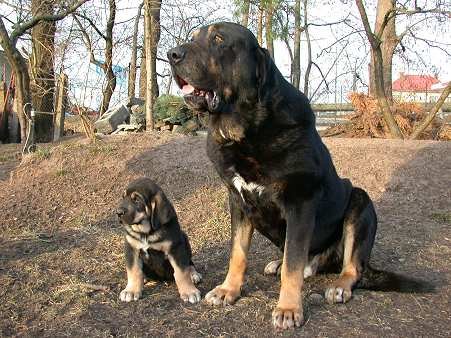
(283, 319)
(196, 277)
(336, 294)
(273, 267)
(222, 295)
(191, 295)
(128, 295)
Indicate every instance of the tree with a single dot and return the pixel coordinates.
(8, 41)
(245, 12)
(376, 55)
(296, 63)
(42, 71)
(152, 10)
(383, 42)
(132, 71)
(107, 37)
(269, 12)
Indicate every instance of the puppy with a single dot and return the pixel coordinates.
(155, 246)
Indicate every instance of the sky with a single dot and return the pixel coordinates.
(335, 62)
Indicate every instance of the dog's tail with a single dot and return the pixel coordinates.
(379, 280)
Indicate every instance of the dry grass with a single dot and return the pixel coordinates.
(61, 263)
(367, 122)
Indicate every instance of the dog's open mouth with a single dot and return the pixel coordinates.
(197, 98)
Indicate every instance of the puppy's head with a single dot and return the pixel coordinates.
(144, 207)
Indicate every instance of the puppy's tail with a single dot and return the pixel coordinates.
(379, 280)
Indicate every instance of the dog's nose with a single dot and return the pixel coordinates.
(121, 211)
(175, 55)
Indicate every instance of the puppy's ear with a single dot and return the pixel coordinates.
(161, 210)
(263, 71)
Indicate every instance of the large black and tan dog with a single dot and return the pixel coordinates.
(280, 176)
(155, 246)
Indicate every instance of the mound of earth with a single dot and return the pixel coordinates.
(62, 265)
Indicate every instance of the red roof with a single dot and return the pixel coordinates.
(414, 83)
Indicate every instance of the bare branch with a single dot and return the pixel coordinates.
(21, 29)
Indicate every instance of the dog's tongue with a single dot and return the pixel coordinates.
(187, 89)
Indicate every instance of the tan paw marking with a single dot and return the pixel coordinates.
(273, 267)
(337, 295)
(283, 319)
(191, 295)
(196, 277)
(127, 295)
(222, 295)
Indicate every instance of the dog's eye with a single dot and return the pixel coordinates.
(219, 39)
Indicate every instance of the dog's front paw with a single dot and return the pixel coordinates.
(283, 319)
(337, 294)
(191, 295)
(222, 295)
(127, 295)
(196, 277)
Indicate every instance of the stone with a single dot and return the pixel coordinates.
(112, 118)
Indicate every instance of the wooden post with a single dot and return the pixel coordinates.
(58, 130)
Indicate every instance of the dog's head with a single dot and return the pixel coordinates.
(144, 207)
(221, 68)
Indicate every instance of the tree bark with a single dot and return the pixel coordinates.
(376, 55)
(430, 117)
(42, 70)
(269, 11)
(389, 41)
(132, 70)
(143, 73)
(108, 65)
(260, 25)
(245, 13)
(309, 50)
(296, 68)
(152, 37)
(22, 79)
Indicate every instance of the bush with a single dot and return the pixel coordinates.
(171, 108)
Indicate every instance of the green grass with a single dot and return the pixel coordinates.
(42, 153)
(442, 217)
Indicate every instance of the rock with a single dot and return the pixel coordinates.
(112, 118)
(166, 127)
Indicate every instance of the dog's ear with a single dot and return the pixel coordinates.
(161, 210)
(263, 71)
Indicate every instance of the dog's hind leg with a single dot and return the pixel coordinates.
(359, 231)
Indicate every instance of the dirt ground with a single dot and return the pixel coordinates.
(60, 242)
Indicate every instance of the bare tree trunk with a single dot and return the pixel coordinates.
(42, 70)
(309, 50)
(245, 13)
(376, 55)
(108, 65)
(22, 79)
(19, 66)
(389, 42)
(132, 70)
(430, 117)
(269, 11)
(260, 25)
(143, 73)
(152, 37)
(296, 64)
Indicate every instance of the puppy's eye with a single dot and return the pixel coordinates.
(219, 39)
